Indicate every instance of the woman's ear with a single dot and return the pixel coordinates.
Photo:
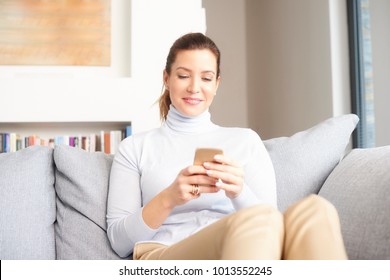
(217, 81)
(165, 79)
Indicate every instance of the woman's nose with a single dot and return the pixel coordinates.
(194, 86)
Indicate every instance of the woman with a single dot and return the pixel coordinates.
(162, 206)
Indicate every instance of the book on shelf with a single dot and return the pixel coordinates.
(116, 137)
(104, 141)
(107, 142)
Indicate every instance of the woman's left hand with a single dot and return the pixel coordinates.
(230, 173)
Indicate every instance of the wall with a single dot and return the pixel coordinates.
(226, 25)
(279, 74)
(290, 56)
(290, 65)
(380, 22)
(126, 91)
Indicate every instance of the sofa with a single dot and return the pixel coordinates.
(53, 201)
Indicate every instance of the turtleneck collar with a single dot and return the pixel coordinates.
(188, 125)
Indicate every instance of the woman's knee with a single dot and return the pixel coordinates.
(258, 216)
(315, 202)
(254, 233)
(308, 208)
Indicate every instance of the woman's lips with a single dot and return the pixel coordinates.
(192, 101)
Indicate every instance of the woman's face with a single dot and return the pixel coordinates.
(193, 81)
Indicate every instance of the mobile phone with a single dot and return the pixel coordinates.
(206, 154)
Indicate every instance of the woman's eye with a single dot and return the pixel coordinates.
(207, 79)
(183, 76)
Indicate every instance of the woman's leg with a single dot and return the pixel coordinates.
(312, 230)
(252, 233)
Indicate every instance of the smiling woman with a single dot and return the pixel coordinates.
(223, 208)
(41, 32)
(196, 62)
(192, 83)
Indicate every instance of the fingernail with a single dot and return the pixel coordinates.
(209, 172)
(217, 157)
(206, 164)
(218, 183)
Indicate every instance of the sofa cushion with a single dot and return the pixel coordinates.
(359, 187)
(27, 204)
(82, 186)
(303, 161)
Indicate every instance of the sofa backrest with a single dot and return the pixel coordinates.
(303, 161)
(82, 187)
(35, 180)
(27, 204)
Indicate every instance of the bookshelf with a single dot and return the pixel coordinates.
(52, 129)
(78, 134)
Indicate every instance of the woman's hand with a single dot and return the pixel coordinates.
(210, 178)
(179, 192)
(229, 175)
(188, 180)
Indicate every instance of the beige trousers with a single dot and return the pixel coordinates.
(309, 229)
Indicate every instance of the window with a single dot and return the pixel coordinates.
(361, 66)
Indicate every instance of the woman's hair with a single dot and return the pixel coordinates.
(190, 41)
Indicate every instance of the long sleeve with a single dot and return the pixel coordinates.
(148, 162)
(125, 225)
(260, 182)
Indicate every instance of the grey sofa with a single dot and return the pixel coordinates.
(53, 201)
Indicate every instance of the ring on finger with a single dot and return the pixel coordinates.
(195, 189)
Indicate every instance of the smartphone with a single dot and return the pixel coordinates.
(206, 154)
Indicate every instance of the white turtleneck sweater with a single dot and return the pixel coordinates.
(146, 163)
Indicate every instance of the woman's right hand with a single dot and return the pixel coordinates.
(178, 193)
(181, 190)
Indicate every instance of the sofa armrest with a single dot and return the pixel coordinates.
(359, 188)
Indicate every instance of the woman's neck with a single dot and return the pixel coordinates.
(177, 122)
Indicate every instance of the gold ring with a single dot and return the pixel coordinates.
(195, 189)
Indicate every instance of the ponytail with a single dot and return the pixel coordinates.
(164, 103)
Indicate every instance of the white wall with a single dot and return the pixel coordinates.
(380, 22)
(339, 45)
(115, 94)
(278, 65)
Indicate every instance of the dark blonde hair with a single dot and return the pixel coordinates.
(190, 41)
